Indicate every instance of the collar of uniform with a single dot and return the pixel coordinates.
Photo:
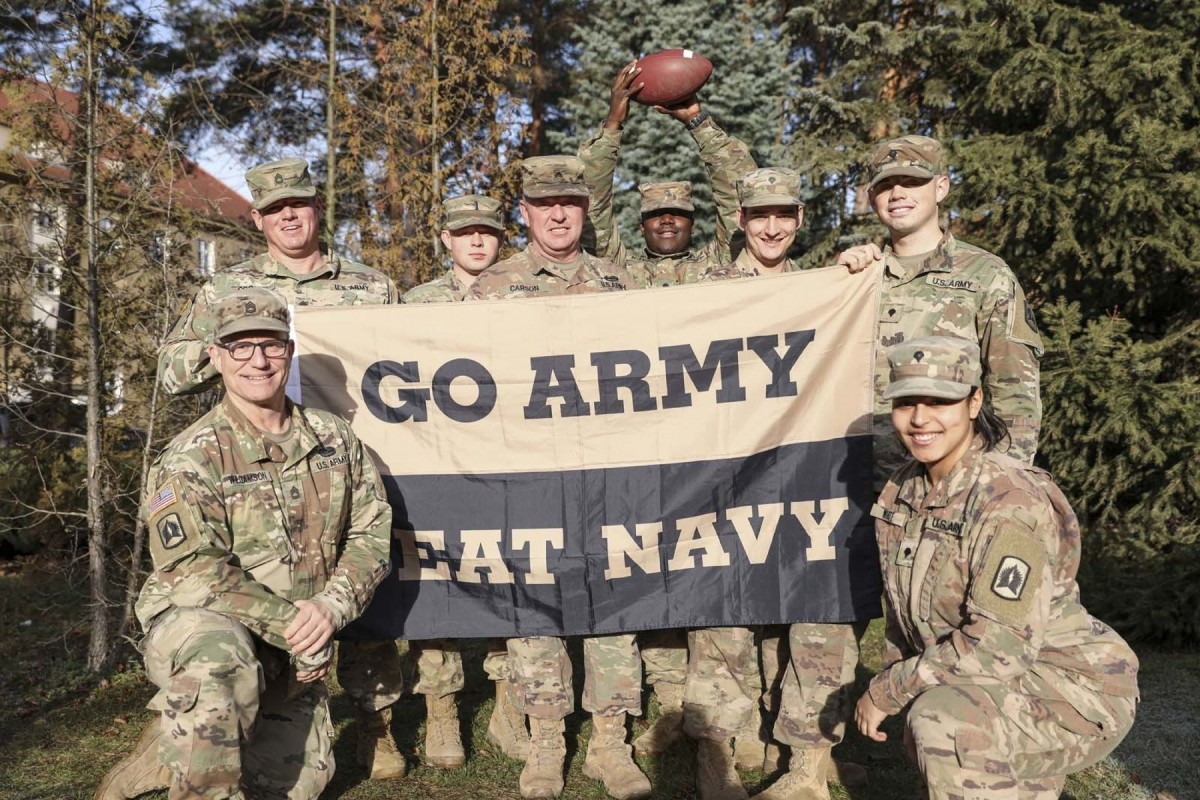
(259, 447)
(965, 475)
(455, 285)
(941, 260)
(746, 264)
(329, 269)
(651, 256)
(564, 270)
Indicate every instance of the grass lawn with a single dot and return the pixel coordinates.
(61, 728)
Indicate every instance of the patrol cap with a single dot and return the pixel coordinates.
(769, 186)
(279, 180)
(249, 309)
(472, 209)
(670, 194)
(910, 156)
(553, 176)
(934, 366)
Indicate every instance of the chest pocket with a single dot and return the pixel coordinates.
(256, 520)
(941, 539)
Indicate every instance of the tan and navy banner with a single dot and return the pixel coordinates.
(691, 456)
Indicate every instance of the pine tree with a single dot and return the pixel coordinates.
(747, 94)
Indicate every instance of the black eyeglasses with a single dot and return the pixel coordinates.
(244, 351)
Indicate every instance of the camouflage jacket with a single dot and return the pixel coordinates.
(726, 159)
(979, 576)
(446, 289)
(242, 525)
(963, 291)
(183, 364)
(528, 274)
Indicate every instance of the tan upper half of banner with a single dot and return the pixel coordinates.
(682, 374)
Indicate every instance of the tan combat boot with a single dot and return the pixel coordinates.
(610, 760)
(667, 728)
(805, 778)
(139, 772)
(543, 773)
(848, 774)
(716, 778)
(443, 742)
(506, 729)
(377, 750)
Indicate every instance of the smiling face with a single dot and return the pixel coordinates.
(291, 227)
(668, 231)
(770, 231)
(935, 431)
(555, 224)
(259, 381)
(473, 248)
(908, 207)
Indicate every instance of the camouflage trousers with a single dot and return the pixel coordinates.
(723, 683)
(233, 716)
(995, 743)
(815, 697)
(664, 655)
(372, 672)
(541, 675)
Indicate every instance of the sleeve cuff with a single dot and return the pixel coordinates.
(882, 697)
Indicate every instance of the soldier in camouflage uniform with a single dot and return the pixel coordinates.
(553, 207)
(724, 684)
(471, 229)
(288, 212)
(269, 531)
(667, 209)
(1006, 683)
(472, 226)
(934, 284)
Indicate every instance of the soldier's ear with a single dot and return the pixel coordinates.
(256, 215)
(975, 404)
(741, 219)
(445, 237)
(524, 213)
(942, 187)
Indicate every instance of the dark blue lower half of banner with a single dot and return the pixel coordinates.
(820, 565)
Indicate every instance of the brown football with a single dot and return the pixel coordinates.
(671, 75)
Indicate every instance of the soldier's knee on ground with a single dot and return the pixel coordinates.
(370, 672)
(954, 741)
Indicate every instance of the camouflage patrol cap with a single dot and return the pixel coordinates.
(911, 156)
(672, 194)
(769, 187)
(279, 180)
(553, 176)
(934, 366)
(472, 209)
(249, 309)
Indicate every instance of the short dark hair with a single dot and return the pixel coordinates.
(988, 426)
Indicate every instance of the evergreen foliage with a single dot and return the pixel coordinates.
(1073, 134)
(746, 94)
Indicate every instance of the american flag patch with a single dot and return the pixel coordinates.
(164, 498)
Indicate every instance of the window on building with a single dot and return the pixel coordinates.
(206, 257)
(158, 246)
(45, 276)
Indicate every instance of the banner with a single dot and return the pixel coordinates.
(691, 456)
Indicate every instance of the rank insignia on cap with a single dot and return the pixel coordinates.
(164, 498)
(1011, 577)
(171, 532)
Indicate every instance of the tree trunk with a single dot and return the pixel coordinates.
(435, 164)
(99, 649)
(331, 139)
